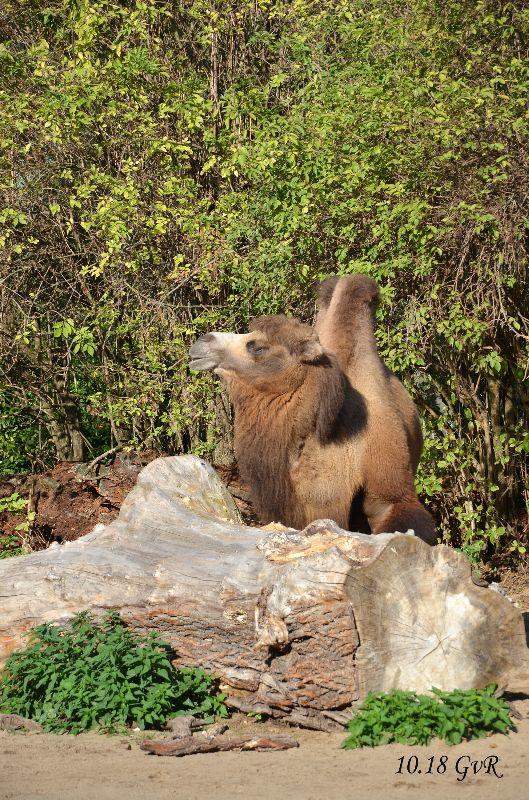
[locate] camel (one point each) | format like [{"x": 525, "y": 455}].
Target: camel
[{"x": 323, "y": 429}]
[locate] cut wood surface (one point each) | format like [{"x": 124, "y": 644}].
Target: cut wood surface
[{"x": 298, "y": 625}]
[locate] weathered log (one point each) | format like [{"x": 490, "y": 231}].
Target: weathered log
[
  {"x": 191, "y": 745},
  {"x": 298, "y": 625}
]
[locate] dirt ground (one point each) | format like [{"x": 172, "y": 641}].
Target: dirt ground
[
  {"x": 94, "y": 767},
  {"x": 69, "y": 500}
]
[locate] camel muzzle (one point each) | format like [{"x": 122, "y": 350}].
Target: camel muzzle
[
  {"x": 214, "y": 349},
  {"x": 202, "y": 353}
]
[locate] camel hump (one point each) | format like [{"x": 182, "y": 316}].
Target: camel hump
[
  {"x": 351, "y": 288},
  {"x": 345, "y": 321}
]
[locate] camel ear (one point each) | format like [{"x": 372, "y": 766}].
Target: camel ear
[{"x": 310, "y": 350}]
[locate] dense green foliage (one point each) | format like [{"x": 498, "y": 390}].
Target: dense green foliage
[
  {"x": 410, "y": 718},
  {"x": 168, "y": 168},
  {"x": 10, "y": 545},
  {"x": 13, "y": 544},
  {"x": 101, "y": 675}
]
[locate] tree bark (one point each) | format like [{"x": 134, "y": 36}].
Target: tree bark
[
  {"x": 298, "y": 625},
  {"x": 191, "y": 745}
]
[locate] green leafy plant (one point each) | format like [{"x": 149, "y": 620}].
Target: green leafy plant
[
  {"x": 11, "y": 544},
  {"x": 410, "y": 718},
  {"x": 90, "y": 675},
  {"x": 19, "y": 436},
  {"x": 13, "y": 503}
]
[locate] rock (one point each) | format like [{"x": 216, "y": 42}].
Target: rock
[
  {"x": 520, "y": 708},
  {"x": 180, "y": 726},
  {"x": 14, "y": 722}
]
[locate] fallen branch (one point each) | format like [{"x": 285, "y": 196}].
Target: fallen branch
[
  {"x": 100, "y": 458},
  {"x": 190, "y": 745}
]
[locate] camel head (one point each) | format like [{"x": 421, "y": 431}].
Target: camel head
[{"x": 274, "y": 346}]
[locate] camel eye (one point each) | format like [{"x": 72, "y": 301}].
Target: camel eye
[{"x": 255, "y": 348}]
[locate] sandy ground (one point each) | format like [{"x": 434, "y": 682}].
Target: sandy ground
[{"x": 94, "y": 767}]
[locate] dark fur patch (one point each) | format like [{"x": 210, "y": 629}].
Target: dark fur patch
[
  {"x": 331, "y": 399},
  {"x": 342, "y": 412},
  {"x": 263, "y": 464}
]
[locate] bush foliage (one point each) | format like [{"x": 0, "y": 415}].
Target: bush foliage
[
  {"x": 14, "y": 543},
  {"x": 410, "y": 718},
  {"x": 101, "y": 675},
  {"x": 167, "y": 168}
]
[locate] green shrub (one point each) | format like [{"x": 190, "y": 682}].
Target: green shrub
[
  {"x": 153, "y": 188},
  {"x": 10, "y": 546},
  {"x": 20, "y": 448},
  {"x": 410, "y": 718},
  {"x": 102, "y": 675},
  {"x": 10, "y": 543}
]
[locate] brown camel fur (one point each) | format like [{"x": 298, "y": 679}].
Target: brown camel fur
[{"x": 323, "y": 430}]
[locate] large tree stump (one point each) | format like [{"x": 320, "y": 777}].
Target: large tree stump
[{"x": 298, "y": 625}]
